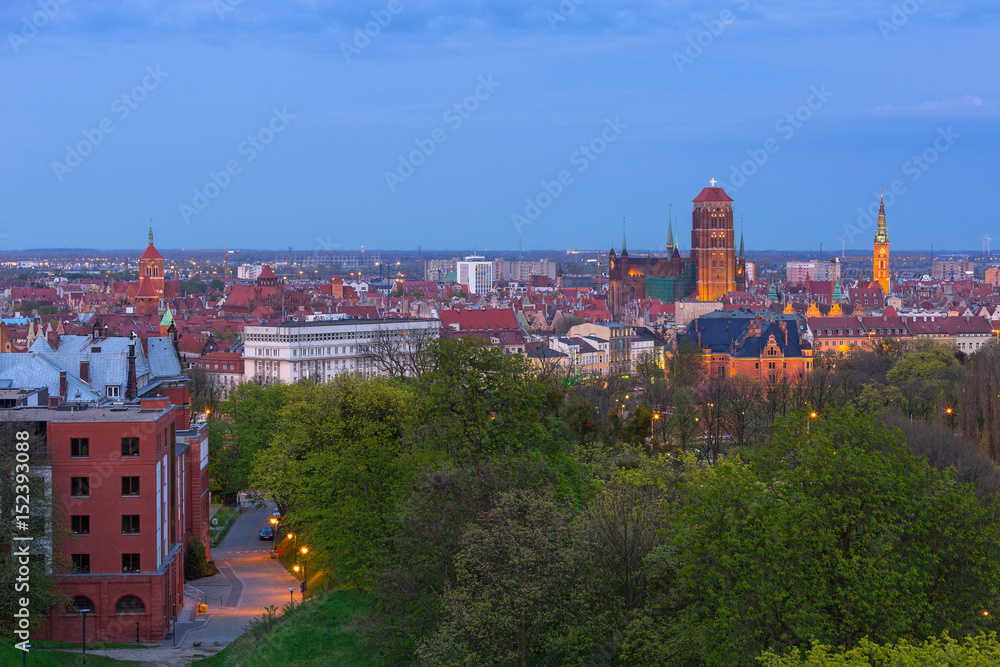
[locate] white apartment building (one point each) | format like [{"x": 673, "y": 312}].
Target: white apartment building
[
  {"x": 476, "y": 273},
  {"x": 249, "y": 271},
  {"x": 292, "y": 351},
  {"x": 523, "y": 270}
]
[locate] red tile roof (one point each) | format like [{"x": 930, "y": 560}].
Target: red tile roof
[
  {"x": 712, "y": 195},
  {"x": 151, "y": 253}
]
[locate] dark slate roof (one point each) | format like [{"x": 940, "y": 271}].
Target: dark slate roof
[{"x": 721, "y": 334}]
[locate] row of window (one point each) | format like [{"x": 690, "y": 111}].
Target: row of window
[
  {"x": 81, "y": 563},
  {"x": 80, "y": 524},
  {"x": 320, "y": 351},
  {"x": 318, "y": 337},
  {"x": 80, "y": 486},
  {"x": 215, "y": 366},
  {"x": 80, "y": 447},
  {"x": 128, "y": 604}
]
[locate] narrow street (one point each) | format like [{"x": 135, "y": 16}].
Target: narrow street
[{"x": 248, "y": 582}]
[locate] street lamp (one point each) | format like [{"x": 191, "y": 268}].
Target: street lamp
[
  {"x": 291, "y": 594},
  {"x": 304, "y": 551},
  {"x": 812, "y": 416},
  {"x": 274, "y": 527},
  {"x": 84, "y": 612}
]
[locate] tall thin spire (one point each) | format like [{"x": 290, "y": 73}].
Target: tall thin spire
[
  {"x": 150, "y": 231},
  {"x": 881, "y": 234},
  {"x": 742, "y": 254},
  {"x": 623, "y": 235},
  {"x": 670, "y": 235}
]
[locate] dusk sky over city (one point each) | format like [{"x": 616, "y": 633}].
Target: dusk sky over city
[{"x": 453, "y": 125}]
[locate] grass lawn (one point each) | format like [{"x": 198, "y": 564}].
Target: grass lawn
[
  {"x": 226, "y": 516},
  {"x": 320, "y": 632},
  {"x": 12, "y": 657}
]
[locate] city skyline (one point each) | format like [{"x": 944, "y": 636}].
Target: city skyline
[{"x": 230, "y": 123}]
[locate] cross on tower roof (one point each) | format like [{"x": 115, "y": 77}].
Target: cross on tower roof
[{"x": 712, "y": 182}]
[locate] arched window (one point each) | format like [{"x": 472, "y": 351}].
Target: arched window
[
  {"x": 130, "y": 604},
  {"x": 79, "y": 603}
]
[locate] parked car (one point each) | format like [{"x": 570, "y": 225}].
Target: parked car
[
  {"x": 276, "y": 513},
  {"x": 267, "y": 533}
]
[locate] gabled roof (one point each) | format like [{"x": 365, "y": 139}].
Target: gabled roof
[
  {"x": 146, "y": 289},
  {"x": 151, "y": 253}
]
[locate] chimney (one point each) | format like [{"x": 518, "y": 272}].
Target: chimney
[
  {"x": 62, "y": 384},
  {"x": 85, "y": 371},
  {"x": 130, "y": 388},
  {"x": 52, "y": 338}
]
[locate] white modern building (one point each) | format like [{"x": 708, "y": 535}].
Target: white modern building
[
  {"x": 249, "y": 271},
  {"x": 477, "y": 274},
  {"x": 523, "y": 270},
  {"x": 292, "y": 351}
]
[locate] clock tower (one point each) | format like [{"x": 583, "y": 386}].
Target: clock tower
[{"x": 880, "y": 265}]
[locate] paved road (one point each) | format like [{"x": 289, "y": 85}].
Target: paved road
[{"x": 246, "y": 585}]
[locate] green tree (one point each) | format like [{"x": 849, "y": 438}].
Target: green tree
[
  {"x": 982, "y": 650},
  {"x": 337, "y": 463},
  {"x": 835, "y": 534},
  {"x": 684, "y": 365},
  {"x": 926, "y": 360},
  {"x": 684, "y": 420},
  {"x": 248, "y": 421},
  {"x": 980, "y": 406},
  {"x": 475, "y": 401},
  {"x": 513, "y": 576}
]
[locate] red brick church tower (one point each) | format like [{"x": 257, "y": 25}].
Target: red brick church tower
[
  {"x": 151, "y": 266},
  {"x": 713, "y": 244}
]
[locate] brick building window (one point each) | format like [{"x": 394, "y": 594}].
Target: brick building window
[
  {"x": 130, "y": 604},
  {"x": 79, "y": 447},
  {"x": 81, "y": 563},
  {"x": 79, "y": 486},
  {"x": 130, "y": 524},
  {"x": 130, "y": 446},
  {"x": 79, "y": 603},
  {"x": 80, "y": 524},
  {"x": 130, "y": 562},
  {"x": 130, "y": 486}
]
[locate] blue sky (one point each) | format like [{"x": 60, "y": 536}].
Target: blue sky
[{"x": 267, "y": 125}]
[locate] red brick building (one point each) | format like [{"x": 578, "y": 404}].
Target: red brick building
[{"x": 129, "y": 479}]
